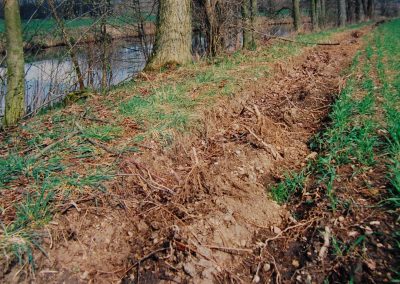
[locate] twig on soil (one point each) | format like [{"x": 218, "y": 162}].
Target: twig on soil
[
  {"x": 278, "y": 274},
  {"x": 258, "y": 114},
  {"x": 325, "y": 247},
  {"x": 51, "y": 146},
  {"x": 256, "y": 277},
  {"x": 98, "y": 144},
  {"x": 75, "y": 204},
  {"x": 287, "y": 229},
  {"x": 147, "y": 256},
  {"x": 268, "y": 147},
  {"x": 229, "y": 249}
]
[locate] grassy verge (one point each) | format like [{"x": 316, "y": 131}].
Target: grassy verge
[
  {"x": 358, "y": 155},
  {"x": 34, "y": 188}
]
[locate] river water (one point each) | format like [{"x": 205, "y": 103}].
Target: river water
[{"x": 49, "y": 74}]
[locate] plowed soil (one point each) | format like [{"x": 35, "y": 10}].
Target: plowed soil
[{"x": 198, "y": 211}]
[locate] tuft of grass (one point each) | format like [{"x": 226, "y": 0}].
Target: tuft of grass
[
  {"x": 292, "y": 183},
  {"x": 94, "y": 180},
  {"x": 168, "y": 108},
  {"x": 35, "y": 211},
  {"x": 104, "y": 133},
  {"x": 11, "y": 168}
]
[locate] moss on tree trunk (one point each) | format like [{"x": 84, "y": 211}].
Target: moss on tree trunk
[
  {"x": 249, "y": 16},
  {"x": 174, "y": 34},
  {"x": 15, "y": 97}
]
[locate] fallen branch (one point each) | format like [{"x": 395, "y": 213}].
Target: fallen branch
[
  {"x": 291, "y": 40},
  {"x": 51, "y": 146},
  {"x": 229, "y": 249},
  {"x": 141, "y": 260},
  {"x": 287, "y": 229},
  {"x": 268, "y": 147},
  {"x": 98, "y": 144}
]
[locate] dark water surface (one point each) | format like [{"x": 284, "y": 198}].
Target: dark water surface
[{"x": 49, "y": 75}]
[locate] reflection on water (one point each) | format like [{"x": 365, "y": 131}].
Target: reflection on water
[{"x": 49, "y": 75}]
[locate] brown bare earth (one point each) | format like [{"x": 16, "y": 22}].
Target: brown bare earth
[{"x": 198, "y": 211}]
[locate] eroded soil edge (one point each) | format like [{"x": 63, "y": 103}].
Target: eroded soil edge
[{"x": 191, "y": 212}]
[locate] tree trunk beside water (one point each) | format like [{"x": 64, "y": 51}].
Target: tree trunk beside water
[
  {"x": 314, "y": 15},
  {"x": 68, "y": 43},
  {"x": 15, "y": 96},
  {"x": 296, "y": 15},
  {"x": 174, "y": 34},
  {"x": 249, "y": 16},
  {"x": 342, "y": 13},
  {"x": 322, "y": 13}
]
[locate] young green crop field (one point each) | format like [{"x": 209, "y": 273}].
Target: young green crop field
[{"x": 362, "y": 142}]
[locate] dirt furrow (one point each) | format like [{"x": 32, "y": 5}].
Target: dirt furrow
[{"x": 190, "y": 212}]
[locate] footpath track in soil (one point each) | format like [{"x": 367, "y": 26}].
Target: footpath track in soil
[{"x": 197, "y": 212}]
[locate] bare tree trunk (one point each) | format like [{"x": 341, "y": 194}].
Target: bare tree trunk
[
  {"x": 364, "y": 7},
  {"x": 253, "y": 20},
  {"x": 314, "y": 15},
  {"x": 296, "y": 15},
  {"x": 350, "y": 11},
  {"x": 342, "y": 13},
  {"x": 174, "y": 34},
  {"x": 15, "y": 102},
  {"x": 67, "y": 41},
  {"x": 358, "y": 10},
  {"x": 247, "y": 38},
  {"x": 323, "y": 13},
  {"x": 370, "y": 9},
  {"x": 213, "y": 32},
  {"x": 249, "y": 10},
  {"x": 104, "y": 57},
  {"x": 145, "y": 44},
  {"x": 104, "y": 10}
]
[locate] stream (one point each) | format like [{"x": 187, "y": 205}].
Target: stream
[{"x": 50, "y": 76}]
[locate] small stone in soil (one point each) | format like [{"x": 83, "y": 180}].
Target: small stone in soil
[
  {"x": 189, "y": 269},
  {"x": 267, "y": 267}
]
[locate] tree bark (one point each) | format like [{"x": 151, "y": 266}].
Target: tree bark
[
  {"x": 357, "y": 10},
  {"x": 253, "y": 20},
  {"x": 213, "y": 30},
  {"x": 342, "y": 13},
  {"x": 15, "y": 96},
  {"x": 249, "y": 14},
  {"x": 370, "y": 9},
  {"x": 314, "y": 15},
  {"x": 323, "y": 13},
  {"x": 296, "y": 15},
  {"x": 174, "y": 34},
  {"x": 364, "y": 7},
  {"x": 350, "y": 10}
]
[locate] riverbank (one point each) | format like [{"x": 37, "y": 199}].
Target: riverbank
[
  {"x": 43, "y": 34},
  {"x": 166, "y": 178}
]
